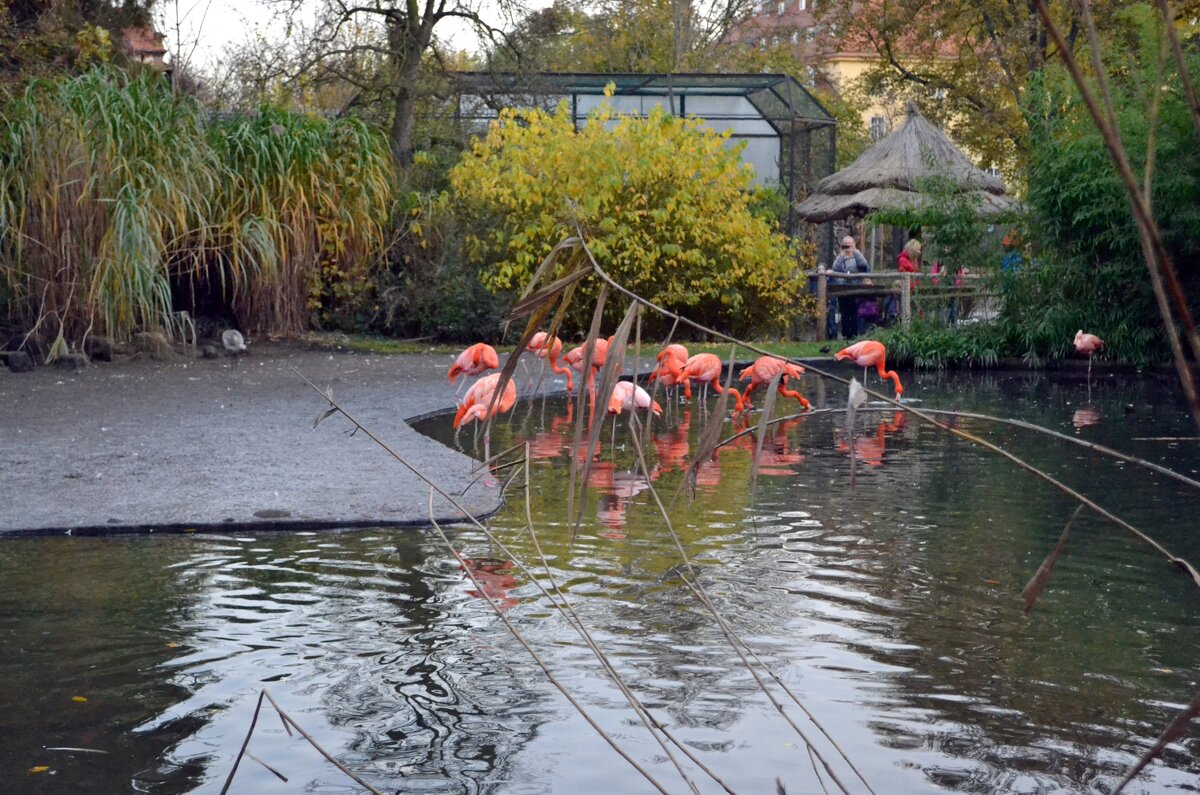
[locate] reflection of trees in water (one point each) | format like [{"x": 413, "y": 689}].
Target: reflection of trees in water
[
  {"x": 951, "y": 540},
  {"x": 937, "y": 543},
  {"x": 426, "y": 679},
  {"x": 385, "y": 638},
  {"x": 922, "y": 561},
  {"x": 92, "y": 618}
]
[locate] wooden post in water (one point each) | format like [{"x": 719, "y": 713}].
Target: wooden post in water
[
  {"x": 822, "y": 303},
  {"x": 905, "y": 299}
]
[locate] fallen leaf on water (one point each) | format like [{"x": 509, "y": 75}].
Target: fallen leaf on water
[
  {"x": 992, "y": 582},
  {"x": 39, "y": 769},
  {"x": 79, "y": 699},
  {"x": 172, "y": 645}
]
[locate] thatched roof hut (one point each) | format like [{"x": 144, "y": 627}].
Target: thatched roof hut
[{"x": 889, "y": 175}]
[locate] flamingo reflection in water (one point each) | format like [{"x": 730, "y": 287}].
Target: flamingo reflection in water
[
  {"x": 615, "y": 488},
  {"x": 1085, "y": 416},
  {"x": 776, "y": 457},
  {"x": 870, "y": 448},
  {"x": 552, "y": 441},
  {"x": 495, "y": 580},
  {"x": 672, "y": 447}
]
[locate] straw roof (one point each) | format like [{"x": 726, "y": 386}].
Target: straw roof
[{"x": 888, "y": 176}]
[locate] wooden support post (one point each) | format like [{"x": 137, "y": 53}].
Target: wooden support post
[
  {"x": 822, "y": 304},
  {"x": 905, "y": 299}
]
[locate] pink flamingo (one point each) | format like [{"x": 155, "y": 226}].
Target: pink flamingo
[
  {"x": 764, "y": 370},
  {"x": 631, "y": 397},
  {"x": 705, "y": 369},
  {"x": 476, "y": 359},
  {"x": 477, "y": 405},
  {"x": 870, "y": 353},
  {"x": 669, "y": 371},
  {"x": 495, "y": 580},
  {"x": 574, "y": 359},
  {"x": 1088, "y": 344},
  {"x": 548, "y": 349}
]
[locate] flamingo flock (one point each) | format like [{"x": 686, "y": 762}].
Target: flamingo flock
[{"x": 676, "y": 371}]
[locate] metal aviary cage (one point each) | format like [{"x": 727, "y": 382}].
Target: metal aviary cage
[{"x": 789, "y": 136}]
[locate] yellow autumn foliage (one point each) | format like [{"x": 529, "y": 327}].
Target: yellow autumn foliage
[{"x": 662, "y": 201}]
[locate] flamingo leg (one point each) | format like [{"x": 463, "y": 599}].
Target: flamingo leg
[
  {"x": 746, "y": 404},
  {"x": 794, "y": 394}
]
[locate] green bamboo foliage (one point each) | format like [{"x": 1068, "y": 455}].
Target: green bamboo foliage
[{"x": 112, "y": 188}]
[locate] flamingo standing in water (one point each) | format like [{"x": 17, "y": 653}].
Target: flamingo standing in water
[
  {"x": 870, "y": 353},
  {"x": 476, "y": 359},
  {"x": 705, "y": 369},
  {"x": 631, "y": 397},
  {"x": 574, "y": 359},
  {"x": 548, "y": 348},
  {"x": 478, "y": 405},
  {"x": 1088, "y": 344},
  {"x": 669, "y": 371},
  {"x": 481, "y": 403},
  {"x": 763, "y": 372}
]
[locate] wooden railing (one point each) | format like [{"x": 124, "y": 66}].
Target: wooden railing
[{"x": 884, "y": 284}]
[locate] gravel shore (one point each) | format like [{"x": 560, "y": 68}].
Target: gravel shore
[{"x": 139, "y": 445}]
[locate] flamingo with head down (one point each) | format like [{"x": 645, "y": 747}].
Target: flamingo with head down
[
  {"x": 669, "y": 372},
  {"x": 574, "y": 359},
  {"x": 482, "y": 403},
  {"x": 763, "y": 372},
  {"x": 705, "y": 369},
  {"x": 476, "y": 359},
  {"x": 478, "y": 403},
  {"x": 870, "y": 353},
  {"x": 628, "y": 396},
  {"x": 548, "y": 349}
]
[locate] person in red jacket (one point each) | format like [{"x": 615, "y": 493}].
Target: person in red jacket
[{"x": 909, "y": 260}]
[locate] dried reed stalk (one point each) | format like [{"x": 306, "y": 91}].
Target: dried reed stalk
[
  {"x": 1033, "y": 589},
  {"x": 923, "y": 415},
  {"x": 336, "y": 408}
]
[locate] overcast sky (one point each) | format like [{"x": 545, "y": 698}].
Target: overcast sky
[{"x": 208, "y": 27}]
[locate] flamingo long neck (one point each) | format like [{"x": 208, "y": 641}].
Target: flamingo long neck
[{"x": 892, "y": 374}]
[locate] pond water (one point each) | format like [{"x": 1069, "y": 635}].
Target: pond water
[{"x": 877, "y": 574}]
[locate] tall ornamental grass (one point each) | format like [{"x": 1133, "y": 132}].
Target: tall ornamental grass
[
  {"x": 113, "y": 189},
  {"x": 309, "y": 195},
  {"x": 102, "y": 180}
]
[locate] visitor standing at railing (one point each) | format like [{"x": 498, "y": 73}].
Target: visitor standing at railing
[
  {"x": 909, "y": 261},
  {"x": 850, "y": 260}
]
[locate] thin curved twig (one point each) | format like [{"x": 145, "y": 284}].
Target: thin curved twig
[{"x": 335, "y": 407}]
